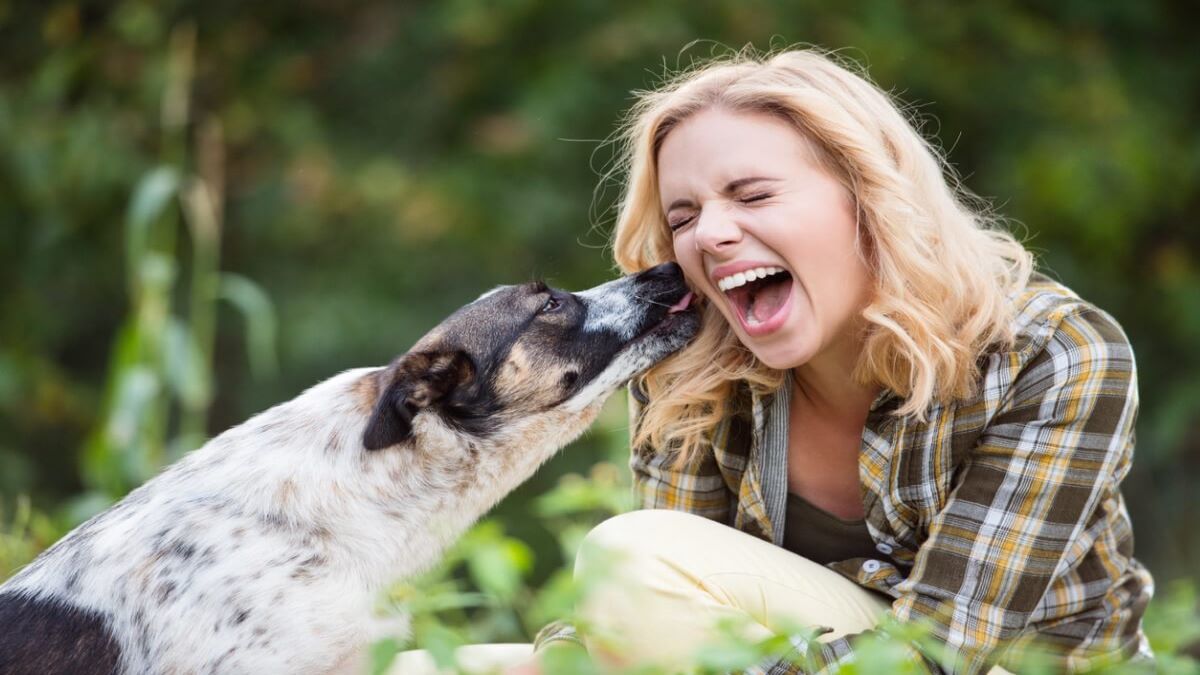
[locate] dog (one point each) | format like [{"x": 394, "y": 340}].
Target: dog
[{"x": 265, "y": 550}]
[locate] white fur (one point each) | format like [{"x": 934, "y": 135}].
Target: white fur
[{"x": 611, "y": 308}]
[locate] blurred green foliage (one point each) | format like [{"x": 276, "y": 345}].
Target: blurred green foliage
[
  {"x": 481, "y": 593},
  {"x": 194, "y": 193}
]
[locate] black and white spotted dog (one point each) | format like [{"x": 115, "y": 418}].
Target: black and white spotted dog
[{"x": 264, "y": 551}]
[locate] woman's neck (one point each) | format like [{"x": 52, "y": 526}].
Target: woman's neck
[{"x": 827, "y": 387}]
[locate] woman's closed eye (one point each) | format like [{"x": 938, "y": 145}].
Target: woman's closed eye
[
  {"x": 679, "y": 222},
  {"x": 682, "y": 221}
]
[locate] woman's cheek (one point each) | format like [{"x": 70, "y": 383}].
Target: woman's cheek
[
  {"x": 688, "y": 258},
  {"x": 693, "y": 271}
]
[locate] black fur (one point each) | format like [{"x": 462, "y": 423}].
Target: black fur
[
  {"x": 50, "y": 637},
  {"x": 391, "y": 422},
  {"x": 414, "y": 382}
]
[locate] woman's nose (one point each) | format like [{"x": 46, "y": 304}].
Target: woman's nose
[{"x": 716, "y": 230}]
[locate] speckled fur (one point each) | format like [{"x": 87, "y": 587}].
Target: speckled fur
[{"x": 264, "y": 551}]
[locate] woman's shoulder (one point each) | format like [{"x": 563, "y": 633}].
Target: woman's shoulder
[
  {"x": 1047, "y": 315},
  {"x": 1069, "y": 357}
]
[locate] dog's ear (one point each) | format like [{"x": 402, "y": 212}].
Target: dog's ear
[{"x": 408, "y": 386}]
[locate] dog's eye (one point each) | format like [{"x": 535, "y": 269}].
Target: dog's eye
[
  {"x": 552, "y": 305},
  {"x": 569, "y": 378}
]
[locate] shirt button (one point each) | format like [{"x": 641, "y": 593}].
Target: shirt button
[
  {"x": 883, "y": 548},
  {"x": 871, "y": 566}
]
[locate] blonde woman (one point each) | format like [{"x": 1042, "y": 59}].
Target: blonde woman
[{"x": 886, "y": 414}]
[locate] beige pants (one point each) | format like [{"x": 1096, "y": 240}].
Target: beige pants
[
  {"x": 671, "y": 576},
  {"x": 678, "y": 575}
]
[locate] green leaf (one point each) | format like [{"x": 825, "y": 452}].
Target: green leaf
[
  {"x": 880, "y": 654},
  {"x": 183, "y": 366},
  {"x": 440, "y": 641},
  {"x": 1172, "y": 620},
  {"x": 383, "y": 653},
  {"x": 567, "y": 658},
  {"x": 727, "y": 656},
  {"x": 150, "y": 198},
  {"x": 556, "y": 599},
  {"x": 259, "y": 313},
  {"x": 499, "y": 567},
  {"x": 136, "y": 388}
]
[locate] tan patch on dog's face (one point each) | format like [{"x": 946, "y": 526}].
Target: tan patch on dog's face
[{"x": 531, "y": 380}]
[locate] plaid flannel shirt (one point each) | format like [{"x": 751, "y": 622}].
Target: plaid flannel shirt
[{"x": 999, "y": 521}]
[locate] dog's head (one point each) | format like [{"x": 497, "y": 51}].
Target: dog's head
[{"x": 520, "y": 351}]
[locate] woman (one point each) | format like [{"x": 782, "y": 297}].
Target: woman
[{"x": 886, "y": 414}]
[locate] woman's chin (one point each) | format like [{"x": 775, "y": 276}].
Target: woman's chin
[
  {"x": 781, "y": 359},
  {"x": 784, "y": 346},
  {"x": 787, "y": 348}
]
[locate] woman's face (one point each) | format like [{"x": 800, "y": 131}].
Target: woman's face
[{"x": 765, "y": 232}]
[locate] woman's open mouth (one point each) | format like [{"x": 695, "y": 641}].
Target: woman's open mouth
[{"x": 761, "y": 298}]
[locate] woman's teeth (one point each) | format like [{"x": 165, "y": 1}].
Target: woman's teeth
[{"x": 742, "y": 278}]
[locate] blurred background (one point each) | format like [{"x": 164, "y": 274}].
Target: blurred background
[{"x": 206, "y": 207}]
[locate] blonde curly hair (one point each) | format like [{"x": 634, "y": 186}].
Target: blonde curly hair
[{"x": 942, "y": 264}]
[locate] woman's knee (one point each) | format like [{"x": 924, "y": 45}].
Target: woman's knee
[
  {"x": 637, "y": 536},
  {"x": 641, "y": 573}
]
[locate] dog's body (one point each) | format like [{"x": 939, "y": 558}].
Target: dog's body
[{"x": 265, "y": 550}]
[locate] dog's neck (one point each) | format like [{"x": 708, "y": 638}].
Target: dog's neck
[{"x": 394, "y": 511}]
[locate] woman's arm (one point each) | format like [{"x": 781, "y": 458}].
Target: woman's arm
[{"x": 697, "y": 488}]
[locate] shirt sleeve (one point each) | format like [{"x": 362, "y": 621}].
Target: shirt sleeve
[
  {"x": 697, "y": 487},
  {"x": 1059, "y": 447}
]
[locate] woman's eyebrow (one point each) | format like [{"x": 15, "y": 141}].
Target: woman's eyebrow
[{"x": 730, "y": 187}]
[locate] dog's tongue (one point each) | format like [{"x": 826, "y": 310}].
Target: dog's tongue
[{"x": 683, "y": 304}]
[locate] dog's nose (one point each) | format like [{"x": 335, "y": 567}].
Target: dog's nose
[{"x": 669, "y": 271}]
